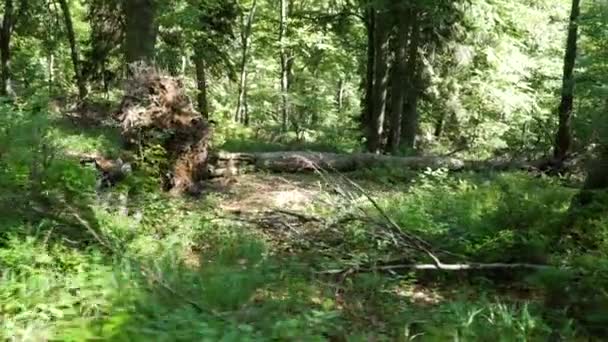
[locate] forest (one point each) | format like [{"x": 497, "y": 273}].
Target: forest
[{"x": 303, "y": 170}]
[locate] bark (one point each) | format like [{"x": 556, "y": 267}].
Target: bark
[
  {"x": 50, "y": 64},
  {"x": 563, "y": 139},
  {"x": 340, "y": 95},
  {"x": 439, "y": 125},
  {"x": 398, "y": 81},
  {"x": 284, "y": 58},
  {"x": 240, "y": 115},
  {"x": 379, "y": 93},
  {"x": 201, "y": 83},
  {"x": 226, "y": 163},
  {"x": 141, "y": 30},
  {"x": 80, "y": 80},
  {"x": 370, "y": 24},
  {"x": 310, "y": 161},
  {"x": 6, "y": 32},
  {"x": 409, "y": 121}
]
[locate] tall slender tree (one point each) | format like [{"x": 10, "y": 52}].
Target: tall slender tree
[
  {"x": 563, "y": 140},
  {"x": 241, "y": 114},
  {"x": 375, "y": 127},
  {"x": 409, "y": 121},
  {"x": 6, "y": 32},
  {"x": 285, "y": 62},
  {"x": 398, "y": 76},
  {"x": 201, "y": 80},
  {"x": 69, "y": 26},
  {"x": 367, "y": 99}
]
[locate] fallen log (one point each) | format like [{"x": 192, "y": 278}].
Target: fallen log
[{"x": 300, "y": 161}]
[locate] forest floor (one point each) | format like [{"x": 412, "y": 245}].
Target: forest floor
[{"x": 288, "y": 257}]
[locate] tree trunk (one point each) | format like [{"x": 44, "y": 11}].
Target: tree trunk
[
  {"x": 141, "y": 30},
  {"x": 50, "y": 65},
  {"x": 5, "y": 48},
  {"x": 340, "y": 95},
  {"x": 563, "y": 139},
  {"x": 398, "y": 81},
  {"x": 311, "y": 161},
  {"x": 381, "y": 54},
  {"x": 409, "y": 121},
  {"x": 286, "y": 63},
  {"x": 301, "y": 161},
  {"x": 245, "y": 38},
  {"x": 80, "y": 81},
  {"x": 201, "y": 82},
  {"x": 370, "y": 24},
  {"x": 439, "y": 125},
  {"x": 246, "y": 119}
]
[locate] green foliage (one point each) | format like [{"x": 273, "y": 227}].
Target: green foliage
[
  {"x": 492, "y": 218},
  {"x": 132, "y": 263},
  {"x": 33, "y": 172}
]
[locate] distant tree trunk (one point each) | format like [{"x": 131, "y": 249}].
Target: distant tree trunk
[
  {"x": 284, "y": 57},
  {"x": 340, "y": 95},
  {"x": 563, "y": 139},
  {"x": 439, "y": 125},
  {"x": 80, "y": 81},
  {"x": 246, "y": 119},
  {"x": 182, "y": 71},
  {"x": 398, "y": 80},
  {"x": 409, "y": 121},
  {"x": 245, "y": 38},
  {"x": 379, "y": 93},
  {"x": 5, "y": 48},
  {"x": 141, "y": 30},
  {"x": 201, "y": 82},
  {"x": 50, "y": 65},
  {"x": 367, "y": 105}
]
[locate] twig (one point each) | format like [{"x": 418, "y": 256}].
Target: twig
[
  {"x": 302, "y": 217},
  {"x": 418, "y": 242}
]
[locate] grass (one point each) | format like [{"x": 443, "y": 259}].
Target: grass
[{"x": 177, "y": 271}]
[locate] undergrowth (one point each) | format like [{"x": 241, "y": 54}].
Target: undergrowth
[{"x": 168, "y": 269}]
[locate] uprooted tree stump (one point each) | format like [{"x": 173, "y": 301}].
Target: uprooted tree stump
[{"x": 155, "y": 110}]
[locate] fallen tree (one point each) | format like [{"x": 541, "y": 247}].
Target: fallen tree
[
  {"x": 223, "y": 163},
  {"x": 155, "y": 110}
]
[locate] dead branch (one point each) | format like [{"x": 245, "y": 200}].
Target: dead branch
[{"x": 441, "y": 267}]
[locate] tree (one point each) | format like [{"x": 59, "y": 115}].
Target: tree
[
  {"x": 409, "y": 121},
  {"x": 563, "y": 139},
  {"x": 286, "y": 62},
  {"x": 140, "y": 30},
  {"x": 375, "y": 127},
  {"x": 370, "y": 26},
  {"x": 201, "y": 80},
  {"x": 398, "y": 77},
  {"x": 6, "y": 32},
  {"x": 242, "y": 114},
  {"x": 79, "y": 76}
]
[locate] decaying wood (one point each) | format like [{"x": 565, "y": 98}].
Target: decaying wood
[
  {"x": 301, "y": 161},
  {"x": 310, "y": 161},
  {"x": 156, "y": 110},
  {"x": 441, "y": 267}
]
